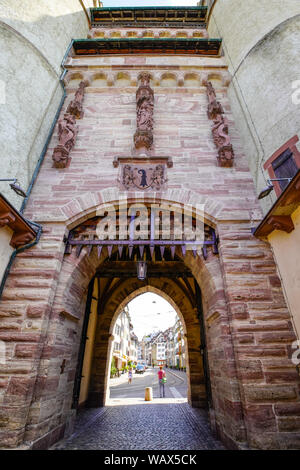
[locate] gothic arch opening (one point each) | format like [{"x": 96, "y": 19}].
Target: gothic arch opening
[
  {"x": 182, "y": 294},
  {"x": 150, "y": 316}
]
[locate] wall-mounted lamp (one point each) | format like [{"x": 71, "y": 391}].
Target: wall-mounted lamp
[
  {"x": 266, "y": 191},
  {"x": 141, "y": 270},
  {"x": 15, "y": 186}
]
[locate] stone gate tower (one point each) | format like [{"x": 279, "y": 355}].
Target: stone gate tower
[{"x": 147, "y": 123}]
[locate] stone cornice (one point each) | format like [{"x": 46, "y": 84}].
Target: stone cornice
[
  {"x": 23, "y": 233},
  {"x": 279, "y": 216}
]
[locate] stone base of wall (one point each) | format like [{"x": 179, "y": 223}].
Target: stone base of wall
[
  {"x": 228, "y": 442},
  {"x": 49, "y": 439}
]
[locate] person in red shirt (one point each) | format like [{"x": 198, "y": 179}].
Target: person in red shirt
[
  {"x": 130, "y": 375},
  {"x": 162, "y": 380}
]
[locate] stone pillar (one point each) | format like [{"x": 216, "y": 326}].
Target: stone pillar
[
  {"x": 100, "y": 368},
  {"x": 25, "y": 310},
  {"x": 262, "y": 334}
]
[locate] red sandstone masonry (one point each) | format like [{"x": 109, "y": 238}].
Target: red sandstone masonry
[{"x": 247, "y": 321}]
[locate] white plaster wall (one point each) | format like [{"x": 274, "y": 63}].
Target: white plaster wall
[
  {"x": 261, "y": 42},
  {"x": 242, "y": 23},
  {"x": 287, "y": 254},
  {"x": 5, "y": 248},
  {"x": 48, "y": 25},
  {"x": 34, "y": 36},
  {"x": 25, "y": 118}
]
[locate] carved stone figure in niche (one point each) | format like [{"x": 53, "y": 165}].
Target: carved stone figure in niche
[
  {"x": 75, "y": 106},
  {"x": 222, "y": 141},
  {"x": 145, "y": 112},
  {"x": 145, "y": 105},
  {"x": 67, "y": 131},
  {"x": 220, "y": 131},
  {"x": 220, "y": 128},
  {"x": 214, "y": 106}
]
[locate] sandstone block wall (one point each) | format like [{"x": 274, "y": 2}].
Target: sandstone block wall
[{"x": 249, "y": 332}]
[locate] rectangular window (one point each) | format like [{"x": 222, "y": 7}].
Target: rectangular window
[
  {"x": 285, "y": 167},
  {"x": 284, "y": 163}
]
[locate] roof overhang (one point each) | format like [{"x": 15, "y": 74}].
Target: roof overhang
[
  {"x": 279, "y": 216},
  {"x": 23, "y": 233}
]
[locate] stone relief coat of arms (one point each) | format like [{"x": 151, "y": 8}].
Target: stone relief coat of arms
[{"x": 143, "y": 177}]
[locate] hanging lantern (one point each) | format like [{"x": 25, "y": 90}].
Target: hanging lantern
[{"x": 141, "y": 270}]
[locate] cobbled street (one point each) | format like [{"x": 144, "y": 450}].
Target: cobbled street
[{"x": 130, "y": 423}]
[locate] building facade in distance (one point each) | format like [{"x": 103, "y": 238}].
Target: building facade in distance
[{"x": 125, "y": 341}]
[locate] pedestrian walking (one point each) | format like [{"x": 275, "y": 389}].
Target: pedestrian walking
[
  {"x": 130, "y": 375},
  {"x": 162, "y": 380}
]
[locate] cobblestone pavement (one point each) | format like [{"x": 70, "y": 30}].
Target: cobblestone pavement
[{"x": 159, "y": 425}]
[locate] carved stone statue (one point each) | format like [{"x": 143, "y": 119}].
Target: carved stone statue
[
  {"x": 220, "y": 134},
  {"x": 67, "y": 131},
  {"x": 222, "y": 141},
  {"x": 75, "y": 106},
  {"x": 145, "y": 105},
  {"x": 214, "y": 107},
  {"x": 220, "y": 131}
]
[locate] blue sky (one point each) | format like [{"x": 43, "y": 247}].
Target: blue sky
[{"x": 150, "y": 3}]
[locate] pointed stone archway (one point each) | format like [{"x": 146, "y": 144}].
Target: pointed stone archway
[
  {"x": 247, "y": 325},
  {"x": 76, "y": 274},
  {"x": 120, "y": 295}
]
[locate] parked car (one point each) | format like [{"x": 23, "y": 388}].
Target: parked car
[{"x": 140, "y": 369}]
